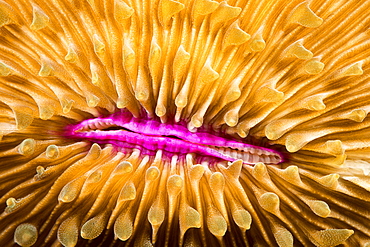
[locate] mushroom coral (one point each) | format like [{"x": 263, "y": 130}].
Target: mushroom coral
[{"x": 292, "y": 74}]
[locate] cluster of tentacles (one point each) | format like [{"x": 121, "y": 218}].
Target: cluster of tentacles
[{"x": 287, "y": 74}]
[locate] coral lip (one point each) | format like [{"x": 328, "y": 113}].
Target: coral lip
[{"x": 174, "y": 138}]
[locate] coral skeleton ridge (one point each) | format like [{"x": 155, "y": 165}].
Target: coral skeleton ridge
[{"x": 184, "y": 123}]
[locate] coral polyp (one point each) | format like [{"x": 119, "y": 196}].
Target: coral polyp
[{"x": 184, "y": 123}]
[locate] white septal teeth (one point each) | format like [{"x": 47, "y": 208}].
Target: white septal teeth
[
  {"x": 251, "y": 150},
  {"x": 234, "y": 154},
  {"x": 223, "y": 151},
  {"x": 267, "y": 159},
  {"x": 259, "y": 151},
  {"x": 254, "y": 158},
  {"x": 275, "y": 159},
  {"x": 249, "y": 155},
  {"x": 239, "y": 154},
  {"x": 246, "y": 157}
]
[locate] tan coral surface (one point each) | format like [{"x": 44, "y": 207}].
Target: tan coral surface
[{"x": 291, "y": 72}]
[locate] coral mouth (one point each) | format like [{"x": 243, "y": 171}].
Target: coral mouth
[{"x": 124, "y": 131}]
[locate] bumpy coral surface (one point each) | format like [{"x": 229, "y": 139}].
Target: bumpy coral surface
[{"x": 287, "y": 74}]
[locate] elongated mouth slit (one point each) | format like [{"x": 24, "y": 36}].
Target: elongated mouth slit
[{"x": 124, "y": 131}]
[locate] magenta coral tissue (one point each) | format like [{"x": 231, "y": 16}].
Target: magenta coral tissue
[{"x": 125, "y": 132}]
